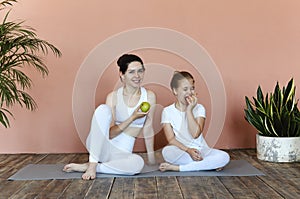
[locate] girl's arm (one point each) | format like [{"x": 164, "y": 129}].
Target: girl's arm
[
  {"x": 194, "y": 153},
  {"x": 171, "y": 137},
  {"x": 195, "y": 125},
  {"x": 148, "y": 128}
]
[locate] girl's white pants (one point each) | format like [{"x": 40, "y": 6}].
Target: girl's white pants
[{"x": 212, "y": 159}]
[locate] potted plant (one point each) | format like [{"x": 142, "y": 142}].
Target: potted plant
[
  {"x": 19, "y": 47},
  {"x": 276, "y": 117}
]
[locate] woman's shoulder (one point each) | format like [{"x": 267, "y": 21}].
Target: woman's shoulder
[
  {"x": 151, "y": 95},
  {"x": 150, "y": 92},
  {"x": 111, "y": 97},
  {"x": 112, "y": 94}
]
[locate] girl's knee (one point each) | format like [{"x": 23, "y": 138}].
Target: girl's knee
[
  {"x": 167, "y": 150},
  {"x": 224, "y": 158}
]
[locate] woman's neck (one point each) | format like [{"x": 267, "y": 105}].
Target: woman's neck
[{"x": 131, "y": 91}]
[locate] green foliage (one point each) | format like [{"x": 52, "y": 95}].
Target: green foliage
[
  {"x": 275, "y": 115},
  {"x": 19, "y": 47}
]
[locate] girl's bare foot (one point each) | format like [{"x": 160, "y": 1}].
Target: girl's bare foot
[
  {"x": 220, "y": 169},
  {"x": 75, "y": 167},
  {"x": 168, "y": 167},
  {"x": 90, "y": 173}
]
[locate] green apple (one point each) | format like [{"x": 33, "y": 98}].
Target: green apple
[{"x": 145, "y": 106}]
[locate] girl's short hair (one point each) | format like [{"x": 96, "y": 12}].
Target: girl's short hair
[
  {"x": 179, "y": 75},
  {"x": 125, "y": 60}
]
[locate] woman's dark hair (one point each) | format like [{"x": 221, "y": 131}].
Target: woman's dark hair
[
  {"x": 125, "y": 60},
  {"x": 179, "y": 75}
]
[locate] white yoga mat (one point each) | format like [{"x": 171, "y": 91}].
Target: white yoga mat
[{"x": 54, "y": 171}]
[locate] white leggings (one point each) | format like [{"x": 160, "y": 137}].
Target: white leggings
[
  {"x": 113, "y": 156},
  {"x": 213, "y": 159}
]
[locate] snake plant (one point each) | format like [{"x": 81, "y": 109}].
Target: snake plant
[
  {"x": 276, "y": 114},
  {"x": 19, "y": 48}
]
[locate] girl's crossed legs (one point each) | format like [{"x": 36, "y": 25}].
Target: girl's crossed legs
[{"x": 179, "y": 160}]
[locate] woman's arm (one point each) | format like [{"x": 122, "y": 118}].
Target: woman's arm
[
  {"x": 148, "y": 128},
  {"x": 115, "y": 130}
]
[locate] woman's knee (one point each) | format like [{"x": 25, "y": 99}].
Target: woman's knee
[
  {"x": 137, "y": 163},
  {"x": 103, "y": 110}
]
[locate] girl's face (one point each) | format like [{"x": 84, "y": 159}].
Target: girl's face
[
  {"x": 185, "y": 89},
  {"x": 134, "y": 74}
]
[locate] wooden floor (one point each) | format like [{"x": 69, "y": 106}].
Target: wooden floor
[{"x": 280, "y": 181}]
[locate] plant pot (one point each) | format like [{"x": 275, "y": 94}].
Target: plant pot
[{"x": 278, "y": 149}]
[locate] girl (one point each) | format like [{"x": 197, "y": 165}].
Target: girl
[{"x": 183, "y": 123}]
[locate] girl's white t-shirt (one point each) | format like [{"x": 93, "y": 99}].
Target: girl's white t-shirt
[{"x": 178, "y": 121}]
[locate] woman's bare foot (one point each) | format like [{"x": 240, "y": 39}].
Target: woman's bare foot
[
  {"x": 90, "y": 173},
  {"x": 168, "y": 167},
  {"x": 75, "y": 167},
  {"x": 89, "y": 169}
]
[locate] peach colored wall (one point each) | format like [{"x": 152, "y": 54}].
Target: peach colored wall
[{"x": 251, "y": 42}]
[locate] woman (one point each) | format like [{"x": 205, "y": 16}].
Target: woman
[
  {"x": 116, "y": 124},
  {"x": 183, "y": 123}
]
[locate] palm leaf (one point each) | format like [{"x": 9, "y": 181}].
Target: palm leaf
[{"x": 19, "y": 47}]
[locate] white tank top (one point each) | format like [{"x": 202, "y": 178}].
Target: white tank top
[{"x": 123, "y": 112}]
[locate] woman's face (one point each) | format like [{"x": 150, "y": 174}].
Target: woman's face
[
  {"x": 185, "y": 89},
  {"x": 134, "y": 74}
]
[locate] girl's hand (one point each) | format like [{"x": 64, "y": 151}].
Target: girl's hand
[
  {"x": 192, "y": 101},
  {"x": 195, "y": 154}
]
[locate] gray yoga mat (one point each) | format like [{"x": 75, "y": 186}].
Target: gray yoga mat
[{"x": 54, "y": 171}]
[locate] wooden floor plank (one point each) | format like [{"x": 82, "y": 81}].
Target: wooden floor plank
[
  {"x": 216, "y": 189},
  {"x": 145, "y": 188},
  {"x": 259, "y": 188},
  {"x": 8, "y": 188},
  {"x": 167, "y": 187},
  {"x": 236, "y": 187},
  {"x": 122, "y": 188},
  {"x": 285, "y": 187},
  {"x": 54, "y": 189},
  {"x": 3, "y": 157},
  {"x": 31, "y": 189},
  {"x": 57, "y": 158},
  {"x": 77, "y": 189},
  {"x": 100, "y": 188},
  {"x": 203, "y": 187},
  {"x": 80, "y": 158}
]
